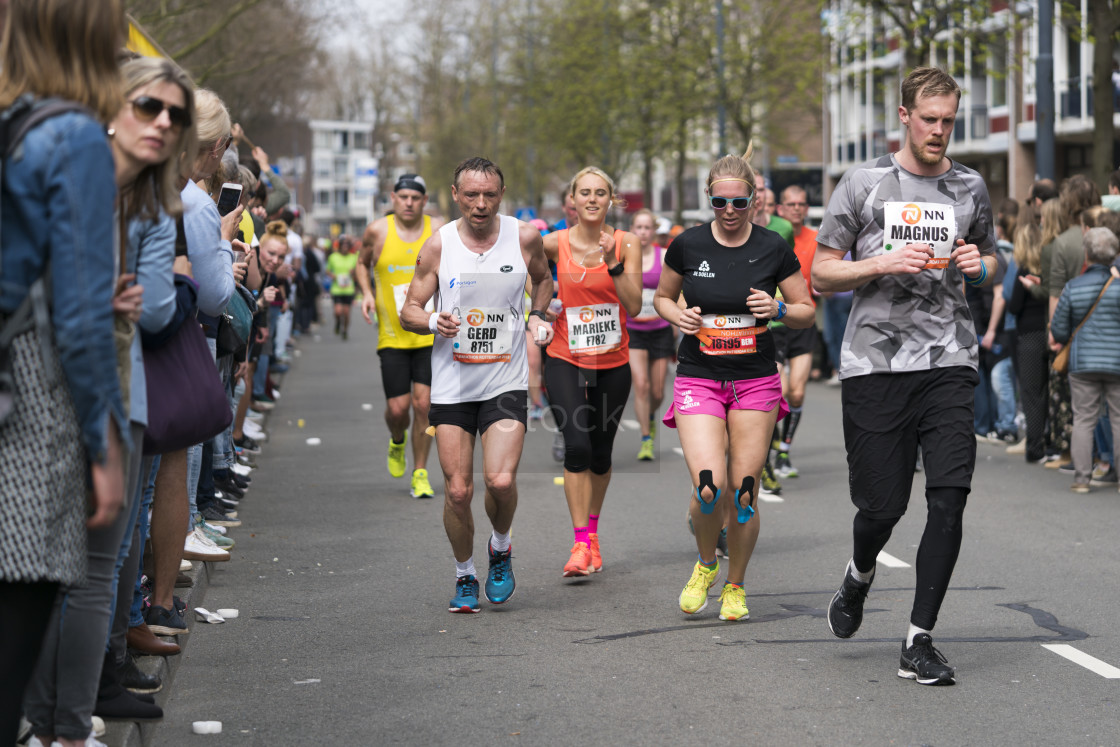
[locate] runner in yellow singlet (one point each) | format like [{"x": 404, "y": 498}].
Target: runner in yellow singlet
[{"x": 390, "y": 246}]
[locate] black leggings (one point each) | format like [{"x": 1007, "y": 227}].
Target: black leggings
[
  {"x": 587, "y": 405},
  {"x": 937, "y": 553},
  {"x": 24, "y": 612}
]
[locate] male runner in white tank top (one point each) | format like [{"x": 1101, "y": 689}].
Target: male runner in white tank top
[{"x": 476, "y": 266}]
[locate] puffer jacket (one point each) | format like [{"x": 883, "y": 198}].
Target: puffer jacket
[{"x": 1096, "y": 348}]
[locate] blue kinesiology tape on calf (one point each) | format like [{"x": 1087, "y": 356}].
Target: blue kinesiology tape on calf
[
  {"x": 706, "y": 507},
  {"x": 747, "y": 511}
]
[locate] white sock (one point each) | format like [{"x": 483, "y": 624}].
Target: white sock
[
  {"x": 466, "y": 568},
  {"x": 913, "y": 631},
  {"x": 863, "y": 578},
  {"x": 500, "y": 542}
]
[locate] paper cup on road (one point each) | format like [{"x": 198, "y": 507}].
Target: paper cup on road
[
  {"x": 207, "y": 616},
  {"x": 228, "y": 613},
  {"x": 314, "y": 441},
  {"x": 207, "y": 727}
]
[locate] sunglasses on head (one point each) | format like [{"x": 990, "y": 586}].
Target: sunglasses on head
[
  {"x": 739, "y": 203},
  {"x": 148, "y": 108}
]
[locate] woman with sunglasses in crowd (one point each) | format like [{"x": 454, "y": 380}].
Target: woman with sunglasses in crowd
[
  {"x": 587, "y": 372},
  {"x": 728, "y": 395},
  {"x": 58, "y": 215},
  {"x": 145, "y": 135}
]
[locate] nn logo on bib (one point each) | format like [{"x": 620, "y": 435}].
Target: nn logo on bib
[{"x": 704, "y": 271}]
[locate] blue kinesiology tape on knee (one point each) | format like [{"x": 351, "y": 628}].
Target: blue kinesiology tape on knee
[
  {"x": 706, "y": 507},
  {"x": 747, "y": 511}
]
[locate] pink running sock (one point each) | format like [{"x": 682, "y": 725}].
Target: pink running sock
[
  {"x": 593, "y": 526},
  {"x": 581, "y": 535}
]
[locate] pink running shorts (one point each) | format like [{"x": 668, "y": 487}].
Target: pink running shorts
[{"x": 695, "y": 396}]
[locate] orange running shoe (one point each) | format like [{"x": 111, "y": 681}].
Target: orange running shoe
[
  {"x": 580, "y": 562},
  {"x": 596, "y": 556}
]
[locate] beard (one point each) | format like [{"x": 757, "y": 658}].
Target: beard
[{"x": 920, "y": 154}]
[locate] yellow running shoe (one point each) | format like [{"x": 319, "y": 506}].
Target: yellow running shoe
[
  {"x": 695, "y": 595},
  {"x": 645, "y": 452},
  {"x": 734, "y": 600},
  {"x": 397, "y": 462},
  {"x": 421, "y": 488}
]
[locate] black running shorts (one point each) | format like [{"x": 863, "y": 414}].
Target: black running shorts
[
  {"x": 476, "y": 417},
  {"x": 888, "y": 416},
  {"x": 658, "y": 342},
  {"x": 402, "y": 367},
  {"x": 790, "y": 343}
]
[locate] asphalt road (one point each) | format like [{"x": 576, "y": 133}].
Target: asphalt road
[{"x": 342, "y": 581}]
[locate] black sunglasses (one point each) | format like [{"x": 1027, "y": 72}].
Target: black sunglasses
[
  {"x": 739, "y": 203},
  {"x": 148, "y": 108}
]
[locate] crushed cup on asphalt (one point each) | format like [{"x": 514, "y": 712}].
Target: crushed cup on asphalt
[
  {"x": 207, "y": 727},
  {"x": 228, "y": 613},
  {"x": 206, "y": 615}
]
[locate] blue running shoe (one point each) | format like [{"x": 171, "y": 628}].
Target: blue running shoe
[
  {"x": 466, "y": 595},
  {"x": 499, "y": 581}
]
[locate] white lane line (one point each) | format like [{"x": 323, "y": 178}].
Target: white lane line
[
  {"x": 631, "y": 424},
  {"x": 1080, "y": 657},
  {"x": 770, "y": 498},
  {"x": 678, "y": 451},
  {"x": 891, "y": 561}
]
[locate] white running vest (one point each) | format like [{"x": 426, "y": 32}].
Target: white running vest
[{"x": 486, "y": 292}]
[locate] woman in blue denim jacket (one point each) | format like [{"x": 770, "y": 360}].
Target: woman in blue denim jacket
[{"x": 57, "y": 211}]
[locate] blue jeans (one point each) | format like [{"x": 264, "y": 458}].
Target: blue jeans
[
  {"x": 260, "y": 378},
  {"x": 1003, "y": 384},
  {"x": 1102, "y": 437},
  {"x": 836, "y": 311},
  {"x": 136, "y": 612}
]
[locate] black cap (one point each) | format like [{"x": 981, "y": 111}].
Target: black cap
[{"x": 411, "y": 181}]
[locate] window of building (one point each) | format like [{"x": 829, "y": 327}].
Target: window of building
[
  {"x": 341, "y": 197},
  {"x": 997, "y": 66},
  {"x": 322, "y": 139},
  {"x": 323, "y": 197},
  {"x": 361, "y": 141}
]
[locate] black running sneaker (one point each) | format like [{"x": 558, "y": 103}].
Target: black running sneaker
[
  {"x": 924, "y": 663},
  {"x": 845, "y": 612}
]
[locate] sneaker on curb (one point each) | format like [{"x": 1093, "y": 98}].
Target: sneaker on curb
[
  {"x": 1019, "y": 448},
  {"x": 218, "y": 518},
  {"x": 226, "y": 500},
  {"x": 499, "y": 580},
  {"x": 596, "y": 555},
  {"x": 924, "y": 663},
  {"x": 396, "y": 457},
  {"x": 98, "y": 726},
  {"x": 558, "y": 447},
  {"x": 262, "y": 404},
  {"x": 785, "y": 468},
  {"x": 199, "y": 547},
  {"x": 255, "y": 416},
  {"x": 845, "y": 611},
  {"x": 246, "y": 444},
  {"x": 421, "y": 488},
  {"x": 695, "y": 595},
  {"x": 210, "y": 528},
  {"x": 466, "y": 595},
  {"x": 1105, "y": 477},
  {"x": 223, "y": 542},
  {"x": 242, "y": 469},
  {"x": 645, "y": 451},
  {"x": 580, "y": 562},
  {"x": 1079, "y": 487},
  {"x": 254, "y": 431},
  {"x": 770, "y": 484},
  {"x": 185, "y": 565},
  {"x": 164, "y": 622},
  {"x": 734, "y": 599}
]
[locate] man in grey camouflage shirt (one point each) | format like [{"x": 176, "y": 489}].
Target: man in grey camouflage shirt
[{"x": 918, "y": 225}]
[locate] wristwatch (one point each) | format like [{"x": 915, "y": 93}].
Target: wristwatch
[
  {"x": 539, "y": 314},
  {"x": 616, "y": 270},
  {"x": 781, "y": 309}
]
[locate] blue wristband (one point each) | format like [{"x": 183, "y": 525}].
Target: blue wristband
[{"x": 979, "y": 279}]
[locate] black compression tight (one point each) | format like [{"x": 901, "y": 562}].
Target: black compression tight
[
  {"x": 587, "y": 405},
  {"x": 937, "y": 553}
]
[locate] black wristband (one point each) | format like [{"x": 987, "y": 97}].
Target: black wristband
[
  {"x": 616, "y": 270},
  {"x": 539, "y": 314}
]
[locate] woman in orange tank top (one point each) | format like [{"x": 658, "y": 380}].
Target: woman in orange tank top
[{"x": 587, "y": 369}]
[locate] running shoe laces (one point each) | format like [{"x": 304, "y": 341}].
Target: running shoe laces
[{"x": 925, "y": 664}]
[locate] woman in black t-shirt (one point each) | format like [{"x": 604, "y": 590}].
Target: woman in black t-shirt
[{"x": 728, "y": 394}]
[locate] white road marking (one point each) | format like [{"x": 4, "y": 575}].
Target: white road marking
[
  {"x": 891, "y": 561},
  {"x": 1080, "y": 657},
  {"x": 678, "y": 451},
  {"x": 631, "y": 424},
  {"x": 770, "y": 498}
]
